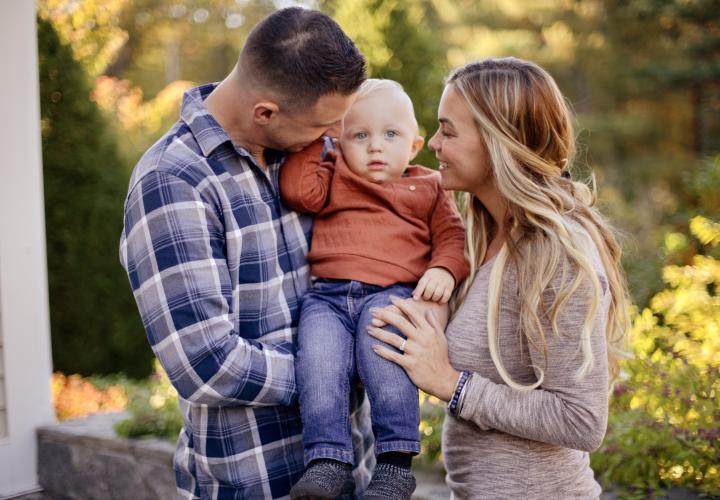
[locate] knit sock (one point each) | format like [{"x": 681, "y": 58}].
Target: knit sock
[
  {"x": 396, "y": 458},
  {"x": 324, "y": 478},
  {"x": 390, "y": 481}
]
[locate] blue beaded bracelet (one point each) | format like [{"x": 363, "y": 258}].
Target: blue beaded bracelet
[{"x": 453, "y": 404}]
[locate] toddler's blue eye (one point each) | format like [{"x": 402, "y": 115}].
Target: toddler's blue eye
[
  {"x": 391, "y": 133},
  {"x": 361, "y": 135}
]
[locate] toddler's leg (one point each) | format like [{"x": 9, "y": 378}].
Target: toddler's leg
[
  {"x": 324, "y": 370},
  {"x": 394, "y": 408},
  {"x": 394, "y": 405}
]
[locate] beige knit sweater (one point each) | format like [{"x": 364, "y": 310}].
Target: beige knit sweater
[{"x": 508, "y": 444}]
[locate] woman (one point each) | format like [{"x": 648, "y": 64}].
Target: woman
[{"x": 526, "y": 359}]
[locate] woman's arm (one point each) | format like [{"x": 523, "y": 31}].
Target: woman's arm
[{"x": 562, "y": 411}]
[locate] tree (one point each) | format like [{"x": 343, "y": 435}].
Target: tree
[
  {"x": 94, "y": 321},
  {"x": 400, "y": 42}
]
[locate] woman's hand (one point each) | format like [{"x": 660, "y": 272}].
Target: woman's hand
[{"x": 424, "y": 353}]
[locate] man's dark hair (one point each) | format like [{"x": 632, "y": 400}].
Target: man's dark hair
[{"x": 302, "y": 55}]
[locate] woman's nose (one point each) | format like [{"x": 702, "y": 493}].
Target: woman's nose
[{"x": 434, "y": 143}]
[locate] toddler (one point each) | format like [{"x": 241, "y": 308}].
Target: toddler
[{"x": 382, "y": 228}]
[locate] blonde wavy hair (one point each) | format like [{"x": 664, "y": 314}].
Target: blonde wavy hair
[{"x": 527, "y": 129}]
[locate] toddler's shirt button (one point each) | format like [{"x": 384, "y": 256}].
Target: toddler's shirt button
[{"x": 412, "y": 188}]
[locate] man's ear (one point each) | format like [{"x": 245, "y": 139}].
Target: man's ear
[
  {"x": 264, "y": 112},
  {"x": 416, "y": 146}
]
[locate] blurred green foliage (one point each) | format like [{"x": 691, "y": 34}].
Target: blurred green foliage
[
  {"x": 642, "y": 77},
  {"x": 663, "y": 428},
  {"x": 153, "y": 407},
  {"x": 95, "y": 324}
]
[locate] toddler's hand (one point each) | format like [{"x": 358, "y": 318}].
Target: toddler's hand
[
  {"x": 436, "y": 284},
  {"x": 329, "y": 150}
]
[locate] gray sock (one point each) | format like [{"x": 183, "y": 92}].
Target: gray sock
[
  {"x": 324, "y": 479},
  {"x": 391, "y": 481}
]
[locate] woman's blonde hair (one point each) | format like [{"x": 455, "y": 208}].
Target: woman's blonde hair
[{"x": 527, "y": 129}]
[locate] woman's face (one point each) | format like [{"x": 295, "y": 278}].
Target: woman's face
[{"x": 458, "y": 146}]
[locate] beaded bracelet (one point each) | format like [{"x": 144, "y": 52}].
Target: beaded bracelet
[{"x": 454, "y": 403}]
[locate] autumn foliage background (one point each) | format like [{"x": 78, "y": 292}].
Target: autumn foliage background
[{"x": 642, "y": 77}]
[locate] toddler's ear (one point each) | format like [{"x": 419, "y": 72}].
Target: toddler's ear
[{"x": 416, "y": 146}]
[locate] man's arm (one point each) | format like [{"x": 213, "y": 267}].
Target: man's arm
[
  {"x": 305, "y": 180},
  {"x": 173, "y": 250}
]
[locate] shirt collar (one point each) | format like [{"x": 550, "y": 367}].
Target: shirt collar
[{"x": 207, "y": 131}]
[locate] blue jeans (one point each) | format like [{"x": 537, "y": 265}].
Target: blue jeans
[{"x": 333, "y": 348}]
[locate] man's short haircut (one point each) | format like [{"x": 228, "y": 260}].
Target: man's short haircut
[{"x": 301, "y": 55}]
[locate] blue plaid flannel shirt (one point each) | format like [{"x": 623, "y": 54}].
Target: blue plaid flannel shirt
[{"x": 218, "y": 267}]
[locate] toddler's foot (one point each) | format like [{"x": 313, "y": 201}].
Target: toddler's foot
[
  {"x": 324, "y": 479},
  {"x": 390, "y": 481}
]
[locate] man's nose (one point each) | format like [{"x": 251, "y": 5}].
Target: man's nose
[{"x": 335, "y": 130}]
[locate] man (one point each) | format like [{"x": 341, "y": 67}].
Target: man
[{"x": 217, "y": 263}]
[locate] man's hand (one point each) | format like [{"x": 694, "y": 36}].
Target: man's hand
[{"x": 436, "y": 284}]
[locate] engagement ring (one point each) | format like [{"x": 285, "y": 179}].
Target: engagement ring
[{"x": 402, "y": 346}]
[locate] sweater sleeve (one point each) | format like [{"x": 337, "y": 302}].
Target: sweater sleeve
[
  {"x": 563, "y": 411},
  {"x": 448, "y": 237},
  {"x": 305, "y": 180}
]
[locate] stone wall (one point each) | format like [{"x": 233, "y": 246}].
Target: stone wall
[{"x": 84, "y": 459}]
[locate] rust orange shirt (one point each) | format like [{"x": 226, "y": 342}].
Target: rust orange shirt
[{"x": 375, "y": 233}]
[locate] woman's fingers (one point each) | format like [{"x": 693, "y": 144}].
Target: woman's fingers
[
  {"x": 389, "y": 338},
  {"x": 396, "y": 318},
  {"x": 395, "y": 357},
  {"x": 412, "y": 310},
  {"x": 434, "y": 322},
  {"x": 380, "y": 323}
]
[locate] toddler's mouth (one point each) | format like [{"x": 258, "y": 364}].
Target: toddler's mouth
[{"x": 376, "y": 165}]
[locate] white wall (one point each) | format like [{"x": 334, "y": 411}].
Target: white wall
[{"x": 24, "y": 326}]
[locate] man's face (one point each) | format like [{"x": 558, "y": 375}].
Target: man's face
[
  {"x": 380, "y": 136},
  {"x": 294, "y": 131}
]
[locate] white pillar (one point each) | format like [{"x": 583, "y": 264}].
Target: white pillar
[{"x": 25, "y": 362}]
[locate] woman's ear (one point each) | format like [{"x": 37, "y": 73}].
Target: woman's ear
[
  {"x": 417, "y": 145},
  {"x": 264, "y": 112}
]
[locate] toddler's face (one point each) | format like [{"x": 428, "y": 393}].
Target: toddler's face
[{"x": 380, "y": 136}]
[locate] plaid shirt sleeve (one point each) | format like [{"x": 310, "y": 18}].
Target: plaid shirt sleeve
[{"x": 173, "y": 250}]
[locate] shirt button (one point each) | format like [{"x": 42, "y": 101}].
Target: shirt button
[{"x": 412, "y": 188}]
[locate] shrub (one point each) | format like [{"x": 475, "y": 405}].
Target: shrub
[
  {"x": 74, "y": 396},
  {"x": 663, "y": 428},
  {"x": 432, "y": 413},
  {"x": 153, "y": 407}
]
